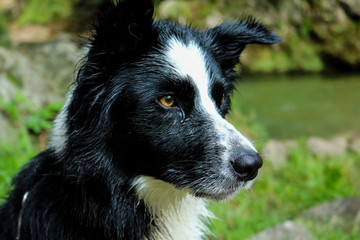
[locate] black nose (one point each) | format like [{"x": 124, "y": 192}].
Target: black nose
[{"x": 246, "y": 164}]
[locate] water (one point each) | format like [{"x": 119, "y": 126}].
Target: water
[{"x": 300, "y": 106}]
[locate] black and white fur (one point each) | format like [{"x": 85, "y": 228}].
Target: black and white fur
[{"x": 120, "y": 165}]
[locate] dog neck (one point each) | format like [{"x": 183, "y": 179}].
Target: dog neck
[{"x": 176, "y": 214}]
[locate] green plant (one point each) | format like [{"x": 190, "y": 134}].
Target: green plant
[
  {"x": 4, "y": 39},
  {"x": 41, "y": 120},
  {"x": 46, "y": 11},
  {"x": 20, "y": 148},
  {"x": 15, "y": 155},
  {"x": 11, "y": 109},
  {"x": 21, "y": 113}
]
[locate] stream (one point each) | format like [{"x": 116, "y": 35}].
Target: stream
[{"x": 301, "y": 106}]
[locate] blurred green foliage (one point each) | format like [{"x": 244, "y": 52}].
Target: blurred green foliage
[
  {"x": 55, "y": 11},
  {"x": 45, "y": 11},
  {"x": 20, "y": 148},
  {"x": 23, "y": 114},
  {"x": 41, "y": 120},
  {"x": 4, "y": 40},
  {"x": 15, "y": 152}
]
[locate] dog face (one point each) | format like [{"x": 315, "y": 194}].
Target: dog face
[
  {"x": 153, "y": 97},
  {"x": 182, "y": 97}
]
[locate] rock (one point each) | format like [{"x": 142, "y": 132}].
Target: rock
[
  {"x": 291, "y": 144},
  {"x": 7, "y": 4},
  {"x": 31, "y": 33},
  {"x": 284, "y": 231},
  {"x": 354, "y": 142},
  {"x": 277, "y": 152},
  {"x": 355, "y": 145},
  {"x": 325, "y": 148},
  {"x": 41, "y": 72},
  {"x": 344, "y": 211}
]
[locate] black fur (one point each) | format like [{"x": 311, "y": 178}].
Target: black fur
[{"x": 116, "y": 130}]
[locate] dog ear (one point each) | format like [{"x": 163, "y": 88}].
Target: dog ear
[
  {"x": 122, "y": 33},
  {"x": 228, "y": 40}
]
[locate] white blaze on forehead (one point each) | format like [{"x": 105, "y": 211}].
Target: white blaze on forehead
[{"x": 189, "y": 61}]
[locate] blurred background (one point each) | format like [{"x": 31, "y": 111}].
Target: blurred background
[{"x": 299, "y": 101}]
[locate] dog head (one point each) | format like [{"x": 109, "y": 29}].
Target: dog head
[{"x": 151, "y": 96}]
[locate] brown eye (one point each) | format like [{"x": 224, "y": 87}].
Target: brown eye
[{"x": 167, "y": 101}]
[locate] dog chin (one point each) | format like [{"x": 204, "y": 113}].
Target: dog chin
[{"x": 222, "y": 193}]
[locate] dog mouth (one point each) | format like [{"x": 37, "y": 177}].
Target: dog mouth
[
  {"x": 216, "y": 181},
  {"x": 220, "y": 193},
  {"x": 217, "y": 196}
]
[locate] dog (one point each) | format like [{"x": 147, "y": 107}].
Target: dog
[{"x": 141, "y": 143}]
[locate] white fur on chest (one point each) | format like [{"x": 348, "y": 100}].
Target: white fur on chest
[{"x": 179, "y": 215}]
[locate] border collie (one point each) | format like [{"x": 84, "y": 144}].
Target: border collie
[{"x": 141, "y": 143}]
